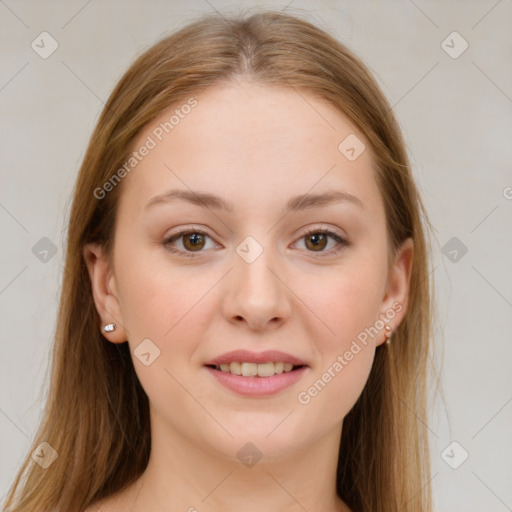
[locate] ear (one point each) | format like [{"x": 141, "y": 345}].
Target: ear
[
  {"x": 104, "y": 292},
  {"x": 396, "y": 297}
]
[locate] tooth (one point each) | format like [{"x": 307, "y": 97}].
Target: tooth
[
  {"x": 279, "y": 367},
  {"x": 254, "y": 369},
  {"x": 235, "y": 368},
  {"x": 249, "y": 369},
  {"x": 266, "y": 369}
]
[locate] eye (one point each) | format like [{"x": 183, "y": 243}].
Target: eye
[
  {"x": 318, "y": 239},
  {"x": 193, "y": 242}
]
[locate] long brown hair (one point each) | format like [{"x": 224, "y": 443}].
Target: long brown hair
[{"x": 97, "y": 414}]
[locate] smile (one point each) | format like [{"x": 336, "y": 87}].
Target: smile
[
  {"x": 256, "y": 370},
  {"x": 252, "y": 379}
]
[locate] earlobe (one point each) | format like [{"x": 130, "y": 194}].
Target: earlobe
[
  {"x": 104, "y": 293},
  {"x": 396, "y": 298}
]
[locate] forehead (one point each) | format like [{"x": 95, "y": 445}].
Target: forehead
[{"x": 249, "y": 142}]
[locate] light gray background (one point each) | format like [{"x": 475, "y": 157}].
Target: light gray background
[{"x": 456, "y": 117}]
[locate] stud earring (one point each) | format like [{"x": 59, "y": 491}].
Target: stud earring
[
  {"x": 389, "y": 332},
  {"x": 109, "y": 327}
]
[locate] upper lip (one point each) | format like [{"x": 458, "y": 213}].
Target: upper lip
[{"x": 245, "y": 356}]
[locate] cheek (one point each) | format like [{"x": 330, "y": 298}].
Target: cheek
[
  {"x": 166, "y": 306},
  {"x": 155, "y": 295},
  {"x": 332, "y": 393},
  {"x": 346, "y": 301},
  {"x": 348, "y": 305}
]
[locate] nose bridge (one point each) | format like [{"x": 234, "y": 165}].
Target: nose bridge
[
  {"x": 254, "y": 263},
  {"x": 257, "y": 292}
]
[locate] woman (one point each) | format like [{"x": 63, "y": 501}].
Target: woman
[{"x": 246, "y": 307}]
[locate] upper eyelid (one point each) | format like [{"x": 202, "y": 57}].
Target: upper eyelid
[{"x": 193, "y": 229}]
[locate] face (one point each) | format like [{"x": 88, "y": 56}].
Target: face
[{"x": 264, "y": 266}]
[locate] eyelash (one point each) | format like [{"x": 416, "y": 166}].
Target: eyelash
[{"x": 342, "y": 243}]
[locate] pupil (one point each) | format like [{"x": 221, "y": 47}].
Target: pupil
[{"x": 194, "y": 238}]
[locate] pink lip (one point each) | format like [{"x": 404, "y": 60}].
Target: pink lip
[
  {"x": 257, "y": 386},
  {"x": 244, "y": 356}
]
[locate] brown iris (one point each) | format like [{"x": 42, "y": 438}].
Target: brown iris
[
  {"x": 320, "y": 241},
  {"x": 196, "y": 241}
]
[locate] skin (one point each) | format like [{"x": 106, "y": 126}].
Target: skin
[{"x": 255, "y": 146}]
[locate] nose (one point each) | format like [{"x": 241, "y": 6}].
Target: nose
[{"x": 257, "y": 293}]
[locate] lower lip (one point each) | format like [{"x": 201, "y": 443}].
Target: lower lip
[{"x": 257, "y": 386}]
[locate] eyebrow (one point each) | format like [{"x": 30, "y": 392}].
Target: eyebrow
[{"x": 296, "y": 203}]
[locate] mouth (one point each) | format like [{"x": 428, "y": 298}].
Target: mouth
[
  {"x": 257, "y": 380},
  {"x": 256, "y": 370},
  {"x": 256, "y": 374}
]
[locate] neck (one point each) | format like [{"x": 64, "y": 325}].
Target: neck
[{"x": 183, "y": 476}]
